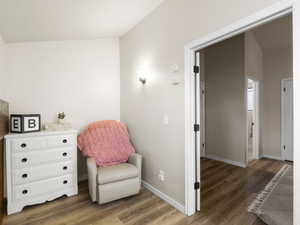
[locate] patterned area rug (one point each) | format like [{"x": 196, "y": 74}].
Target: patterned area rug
[{"x": 274, "y": 205}]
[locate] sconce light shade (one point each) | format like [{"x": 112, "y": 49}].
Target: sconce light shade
[{"x": 142, "y": 80}]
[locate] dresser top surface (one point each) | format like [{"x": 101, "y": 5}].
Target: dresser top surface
[{"x": 41, "y": 133}]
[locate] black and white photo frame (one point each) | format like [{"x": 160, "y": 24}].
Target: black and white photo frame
[{"x": 25, "y": 123}]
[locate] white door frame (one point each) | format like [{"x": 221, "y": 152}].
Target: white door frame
[
  {"x": 275, "y": 11},
  {"x": 197, "y": 120},
  {"x": 282, "y": 115},
  {"x": 256, "y": 119}
]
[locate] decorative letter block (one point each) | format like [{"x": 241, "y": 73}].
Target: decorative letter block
[{"x": 21, "y": 123}]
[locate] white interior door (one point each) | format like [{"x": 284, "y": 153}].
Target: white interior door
[
  {"x": 256, "y": 119},
  {"x": 250, "y": 119},
  {"x": 287, "y": 120}
]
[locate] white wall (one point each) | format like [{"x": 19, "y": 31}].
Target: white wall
[
  {"x": 2, "y": 68},
  {"x": 226, "y": 100},
  {"x": 155, "y": 44},
  {"x": 278, "y": 64},
  {"x": 80, "y": 78}
]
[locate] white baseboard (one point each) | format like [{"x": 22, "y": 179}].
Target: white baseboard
[
  {"x": 82, "y": 177},
  {"x": 217, "y": 158},
  {"x": 271, "y": 157},
  {"x": 165, "y": 197}
]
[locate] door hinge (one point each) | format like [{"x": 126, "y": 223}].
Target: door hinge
[
  {"x": 197, "y": 185},
  {"x": 196, "y": 127},
  {"x": 196, "y": 69}
]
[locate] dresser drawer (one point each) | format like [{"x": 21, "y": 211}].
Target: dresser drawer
[
  {"x": 42, "y": 187},
  {"x": 25, "y": 144},
  {"x": 60, "y": 141},
  {"x": 35, "y": 158},
  {"x": 27, "y": 175}
]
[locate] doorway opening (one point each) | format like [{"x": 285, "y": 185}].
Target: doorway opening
[
  {"x": 227, "y": 112},
  {"x": 252, "y": 119},
  {"x": 287, "y": 119}
]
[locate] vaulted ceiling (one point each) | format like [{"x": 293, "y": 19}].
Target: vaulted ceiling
[
  {"x": 44, "y": 20},
  {"x": 277, "y": 34}
]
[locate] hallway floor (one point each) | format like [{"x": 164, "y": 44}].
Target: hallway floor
[{"x": 227, "y": 191}]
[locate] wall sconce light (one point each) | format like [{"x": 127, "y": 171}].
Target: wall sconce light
[{"x": 142, "y": 80}]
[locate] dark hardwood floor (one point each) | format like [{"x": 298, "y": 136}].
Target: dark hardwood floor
[{"x": 226, "y": 193}]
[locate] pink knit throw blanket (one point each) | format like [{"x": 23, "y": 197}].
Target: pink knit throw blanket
[{"x": 107, "y": 142}]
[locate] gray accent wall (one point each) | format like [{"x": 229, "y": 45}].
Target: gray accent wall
[
  {"x": 225, "y": 100},
  {"x": 278, "y": 65}
]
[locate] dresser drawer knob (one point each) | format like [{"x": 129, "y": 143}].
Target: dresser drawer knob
[
  {"x": 65, "y": 168},
  {"x": 65, "y": 154},
  {"x": 25, "y": 175},
  {"x": 23, "y": 145},
  {"x": 24, "y": 160},
  {"x": 25, "y": 192},
  {"x": 65, "y": 141},
  {"x": 65, "y": 181}
]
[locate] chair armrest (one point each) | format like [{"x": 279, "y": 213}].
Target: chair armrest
[
  {"x": 92, "y": 176},
  {"x": 136, "y": 160}
]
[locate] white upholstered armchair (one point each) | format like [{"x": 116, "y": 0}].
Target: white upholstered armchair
[{"x": 114, "y": 182}]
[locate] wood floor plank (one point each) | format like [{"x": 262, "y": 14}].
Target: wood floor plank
[
  {"x": 152, "y": 215},
  {"x": 226, "y": 192},
  {"x": 168, "y": 218},
  {"x": 127, "y": 216}
]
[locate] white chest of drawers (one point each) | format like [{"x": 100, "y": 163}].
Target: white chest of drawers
[{"x": 40, "y": 167}]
